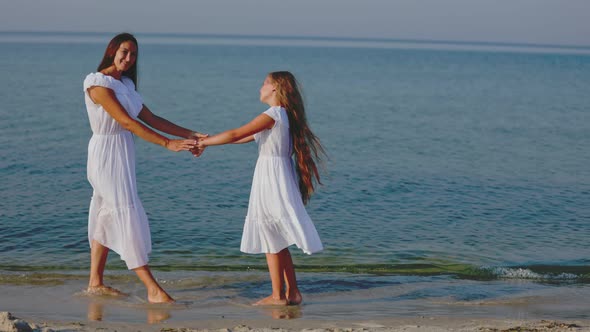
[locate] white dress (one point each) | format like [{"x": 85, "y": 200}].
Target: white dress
[
  {"x": 116, "y": 217},
  {"x": 276, "y": 215}
]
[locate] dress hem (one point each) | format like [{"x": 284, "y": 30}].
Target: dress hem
[
  {"x": 129, "y": 267},
  {"x": 308, "y": 252}
]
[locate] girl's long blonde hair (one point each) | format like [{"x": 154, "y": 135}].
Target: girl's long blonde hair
[{"x": 307, "y": 150}]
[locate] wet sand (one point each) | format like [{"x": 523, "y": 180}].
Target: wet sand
[{"x": 61, "y": 305}]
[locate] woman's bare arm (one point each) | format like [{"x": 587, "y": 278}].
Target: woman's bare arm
[
  {"x": 107, "y": 99},
  {"x": 163, "y": 125}
]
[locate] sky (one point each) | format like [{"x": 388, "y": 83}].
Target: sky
[{"x": 553, "y": 22}]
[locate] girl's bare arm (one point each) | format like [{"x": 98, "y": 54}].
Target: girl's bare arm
[{"x": 242, "y": 134}]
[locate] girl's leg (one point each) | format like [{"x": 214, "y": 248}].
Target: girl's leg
[
  {"x": 275, "y": 269},
  {"x": 156, "y": 294},
  {"x": 291, "y": 291},
  {"x": 98, "y": 260}
]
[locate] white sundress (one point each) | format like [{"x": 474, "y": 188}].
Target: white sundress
[
  {"x": 116, "y": 218},
  {"x": 276, "y": 215}
]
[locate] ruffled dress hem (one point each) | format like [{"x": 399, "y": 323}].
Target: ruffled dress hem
[
  {"x": 270, "y": 236},
  {"x": 120, "y": 229}
]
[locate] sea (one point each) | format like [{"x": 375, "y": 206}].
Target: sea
[{"x": 456, "y": 173}]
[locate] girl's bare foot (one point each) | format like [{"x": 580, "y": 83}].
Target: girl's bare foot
[
  {"x": 103, "y": 290},
  {"x": 159, "y": 296},
  {"x": 295, "y": 298},
  {"x": 271, "y": 301}
]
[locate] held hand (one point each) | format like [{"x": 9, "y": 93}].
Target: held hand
[
  {"x": 177, "y": 145},
  {"x": 196, "y": 151},
  {"x": 198, "y": 135},
  {"x": 200, "y": 144}
]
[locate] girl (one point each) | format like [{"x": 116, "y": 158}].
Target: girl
[{"x": 276, "y": 215}]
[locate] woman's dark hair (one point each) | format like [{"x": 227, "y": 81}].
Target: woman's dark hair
[{"x": 112, "y": 48}]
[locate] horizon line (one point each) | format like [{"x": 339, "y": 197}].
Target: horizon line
[{"x": 317, "y": 38}]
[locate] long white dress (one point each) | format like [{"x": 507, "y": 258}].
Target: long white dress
[
  {"x": 276, "y": 215},
  {"x": 116, "y": 217}
]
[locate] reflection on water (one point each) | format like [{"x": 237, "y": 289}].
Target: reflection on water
[
  {"x": 157, "y": 315},
  {"x": 288, "y": 312},
  {"x": 98, "y": 311},
  {"x": 95, "y": 311},
  {"x": 154, "y": 315}
]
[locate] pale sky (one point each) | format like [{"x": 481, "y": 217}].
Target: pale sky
[{"x": 558, "y": 22}]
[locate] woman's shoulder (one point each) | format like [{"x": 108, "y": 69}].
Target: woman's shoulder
[{"x": 100, "y": 79}]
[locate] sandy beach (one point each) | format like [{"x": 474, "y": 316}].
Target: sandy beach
[{"x": 10, "y": 323}]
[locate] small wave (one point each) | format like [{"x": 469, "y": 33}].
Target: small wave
[{"x": 546, "y": 273}]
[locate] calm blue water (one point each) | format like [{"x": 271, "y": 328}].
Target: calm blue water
[{"x": 468, "y": 164}]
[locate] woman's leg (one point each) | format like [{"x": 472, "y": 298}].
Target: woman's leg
[
  {"x": 98, "y": 260},
  {"x": 275, "y": 269},
  {"x": 291, "y": 290},
  {"x": 156, "y": 294}
]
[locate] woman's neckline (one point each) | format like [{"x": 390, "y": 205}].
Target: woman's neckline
[{"x": 110, "y": 76}]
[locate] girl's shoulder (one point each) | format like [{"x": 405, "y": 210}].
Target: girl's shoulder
[{"x": 277, "y": 113}]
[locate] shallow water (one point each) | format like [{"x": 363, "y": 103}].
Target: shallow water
[{"x": 327, "y": 296}]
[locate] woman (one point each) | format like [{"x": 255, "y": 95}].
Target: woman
[{"x": 116, "y": 218}]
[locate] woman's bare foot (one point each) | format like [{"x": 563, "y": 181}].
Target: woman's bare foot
[
  {"x": 271, "y": 301},
  {"x": 295, "y": 298},
  {"x": 103, "y": 290},
  {"x": 158, "y": 295}
]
